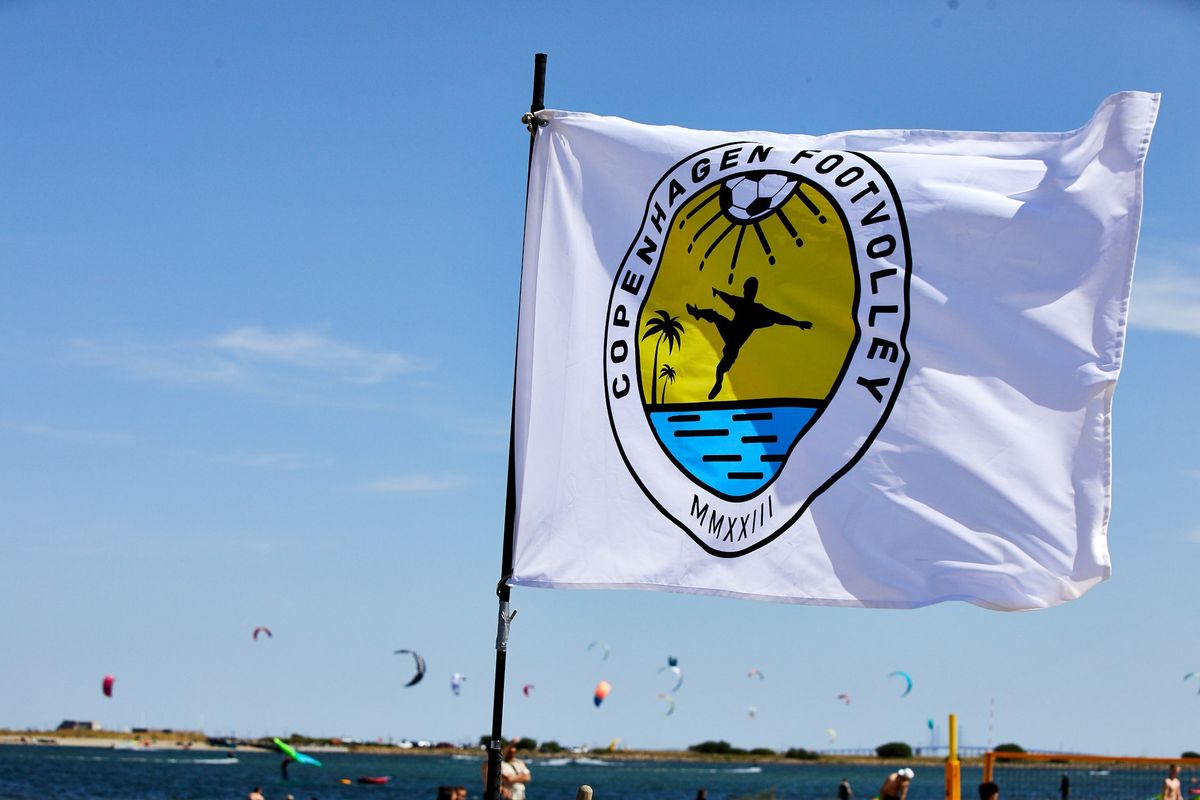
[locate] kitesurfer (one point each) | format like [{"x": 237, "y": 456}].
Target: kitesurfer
[
  {"x": 748, "y": 316},
  {"x": 1064, "y": 787},
  {"x": 283, "y": 766},
  {"x": 844, "y": 791},
  {"x": 896, "y": 785},
  {"x": 988, "y": 790},
  {"x": 1171, "y": 789},
  {"x": 256, "y": 794}
]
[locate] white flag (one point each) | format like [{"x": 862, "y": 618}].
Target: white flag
[{"x": 871, "y": 368}]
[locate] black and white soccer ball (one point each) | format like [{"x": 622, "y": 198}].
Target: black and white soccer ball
[{"x": 753, "y": 195}]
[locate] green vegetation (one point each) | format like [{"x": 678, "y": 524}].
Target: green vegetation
[
  {"x": 802, "y": 754},
  {"x": 551, "y": 747},
  {"x": 1008, "y": 747},
  {"x": 717, "y": 748},
  {"x": 1190, "y": 754},
  {"x": 763, "y": 751},
  {"x": 894, "y": 750},
  {"x": 525, "y": 743}
]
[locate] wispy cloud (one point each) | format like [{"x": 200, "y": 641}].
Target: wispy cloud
[
  {"x": 311, "y": 350},
  {"x": 248, "y": 357},
  {"x": 1192, "y": 536},
  {"x": 175, "y": 363},
  {"x": 65, "y": 434},
  {"x": 1166, "y": 291},
  {"x": 414, "y": 484}
]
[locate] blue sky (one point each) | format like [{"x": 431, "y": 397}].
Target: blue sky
[{"x": 258, "y": 284}]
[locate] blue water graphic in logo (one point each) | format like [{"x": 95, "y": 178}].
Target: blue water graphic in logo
[{"x": 733, "y": 451}]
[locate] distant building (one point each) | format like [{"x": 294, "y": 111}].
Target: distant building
[{"x": 78, "y": 725}]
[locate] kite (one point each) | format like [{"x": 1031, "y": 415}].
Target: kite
[
  {"x": 929, "y": 724},
  {"x": 832, "y": 735},
  {"x": 456, "y": 682},
  {"x": 602, "y": 690},
  {"x": 602, "y": 645},
  {"x": 845, "y": 698},
  {"x": 1191, "y": 675},
  {"x": 670, "y": 702},
  {"x": 294, "y": 754},
  {"x": 107, "y": 684},
  {"x": 672, "y": 661},
  {"x": 754, "y": 671},
  {"x": 907, "y": 680},
  {"x": 420, "y": 666},
  {"x": 526, "y": 689},
  {"x": 612, "y": 746},
  {"x": 752, "y": 712},
  {"x": 677, "y": 672},
  {"x": 261, "y": 629}
]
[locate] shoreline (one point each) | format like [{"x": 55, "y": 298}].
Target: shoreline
[{"x": 159, "y": 742}]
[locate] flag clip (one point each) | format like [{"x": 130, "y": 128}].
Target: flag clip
[
  {"x": 505, "y": 619},
  {"x": 529, "y": 120}
]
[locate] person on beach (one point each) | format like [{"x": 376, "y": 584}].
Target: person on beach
[
  {"x": 896, "y": 785},
  {"x": 513, "y": 774},
  {"x": 1171, "y": 789},
  {"x": 256, "y": 794},
  {"x": 988, "y": 790},
  {"x": 460, "y": 793},
  {"x": 844, "y": 791}
]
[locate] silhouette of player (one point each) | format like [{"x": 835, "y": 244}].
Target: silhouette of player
[{"x": 748, "y": 317}]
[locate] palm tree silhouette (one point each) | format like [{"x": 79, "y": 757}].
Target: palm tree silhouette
[
  {"x": 667, "y": 373},
  {"x": 664, "y": 326}
]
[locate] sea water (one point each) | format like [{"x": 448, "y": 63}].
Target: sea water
[
  {"x": 735, "y": 451},
  {"x": 74, "y": 773}
]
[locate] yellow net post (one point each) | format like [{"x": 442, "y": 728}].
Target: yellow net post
[{"x": 953, "y": 767}]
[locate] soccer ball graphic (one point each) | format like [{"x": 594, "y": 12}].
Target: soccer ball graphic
[{"x": 754, "y": 195}]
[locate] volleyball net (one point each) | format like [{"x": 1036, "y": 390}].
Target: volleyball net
[{"x": 1070, "y": 776}]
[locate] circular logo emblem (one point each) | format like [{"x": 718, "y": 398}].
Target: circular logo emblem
[{"x": 754, "y": 342}]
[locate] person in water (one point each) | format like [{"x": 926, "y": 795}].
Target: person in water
[
  {"x": 844, "y": 792},
  {"x": 748, "y": 317}
]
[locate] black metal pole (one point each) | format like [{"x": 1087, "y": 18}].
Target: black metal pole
[{"x": 510, "y": 503}]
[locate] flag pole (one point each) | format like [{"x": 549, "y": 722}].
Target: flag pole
[{"x": 510, "y": 502}]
